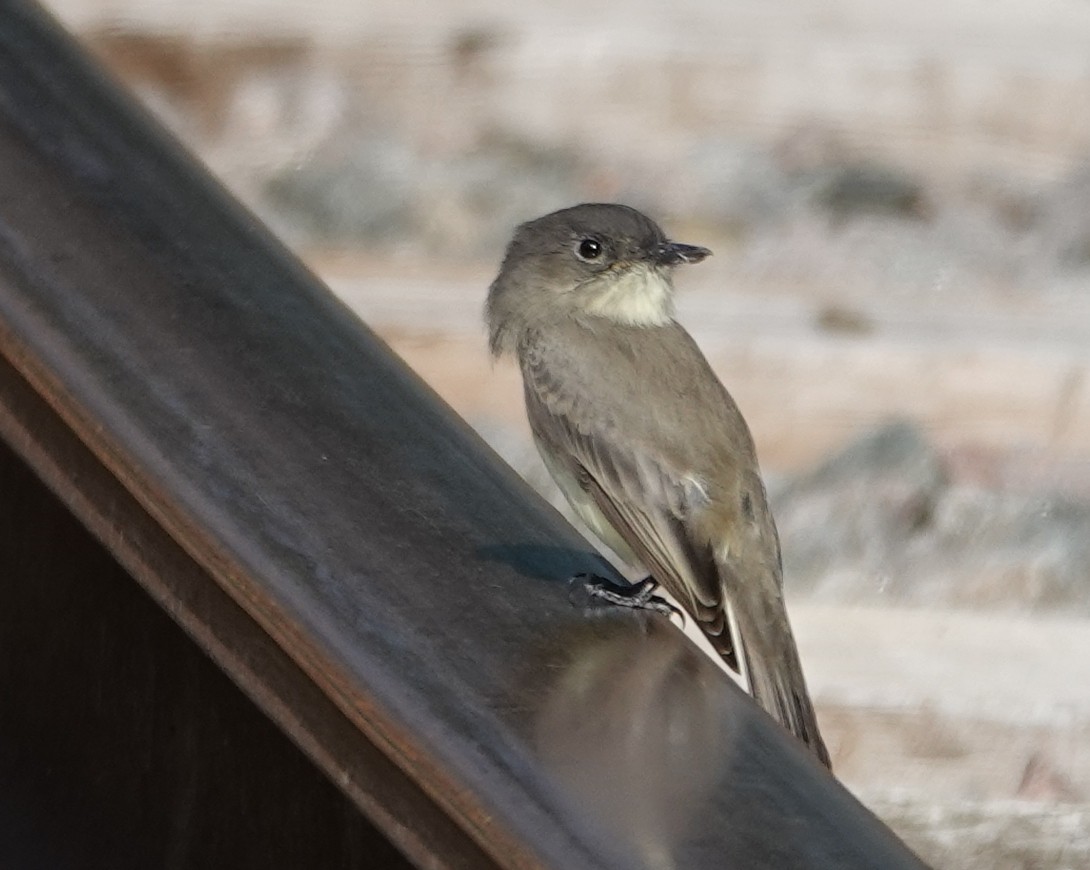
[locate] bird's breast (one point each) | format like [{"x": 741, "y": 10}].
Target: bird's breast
[{"x": 635, "y": 295}]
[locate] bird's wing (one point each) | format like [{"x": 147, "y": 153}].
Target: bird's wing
[
  {"x": 732, "y": 591},
  {"x": 647, "y": 503}
]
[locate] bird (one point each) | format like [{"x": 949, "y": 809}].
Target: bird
[{"x": 644, "y": 441}]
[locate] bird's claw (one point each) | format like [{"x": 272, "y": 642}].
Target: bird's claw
[{"x": 639, "y": 596}]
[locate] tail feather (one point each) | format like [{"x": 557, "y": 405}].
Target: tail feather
[{"x": 770, "y": 670}]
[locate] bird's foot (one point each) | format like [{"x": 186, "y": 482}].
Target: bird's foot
[{"x": 640, "y": 596}]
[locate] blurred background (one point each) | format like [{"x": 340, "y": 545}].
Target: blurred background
[{"x": 898, "y": 198}]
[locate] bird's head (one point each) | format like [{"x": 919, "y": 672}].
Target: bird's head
[{"x": 589, "y": 261}]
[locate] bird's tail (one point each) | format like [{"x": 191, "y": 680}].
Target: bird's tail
[{"x": 760, "y": 647}]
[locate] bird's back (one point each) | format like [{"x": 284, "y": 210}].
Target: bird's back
[{"x": 681, "y": 487}]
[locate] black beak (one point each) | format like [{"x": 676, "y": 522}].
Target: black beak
[{"x": 675, "y": 253}]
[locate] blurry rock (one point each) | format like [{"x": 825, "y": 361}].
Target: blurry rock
[
  {"x": 834, "y": 178},
  {"x": 469, "y": 202},
  {"x": 1064, "y": 220},
  {"x": 471, "y": 49},
  {"x": 1030, "y": 552},
  {"x": 739, "y": 186},
  {"x": 365, "y": 189},
  {"x": 881, "y": 521},
  {"x": 840, "y": 522},
  {"x": 362, "y": 189},
  {"x": 1043, "y": 781},
  {"x": 842, "y": 320},
  {"x": 810, "y": 146},
  {"x": 1011, "y": 199},
  {"x": 850, "y": 191}
]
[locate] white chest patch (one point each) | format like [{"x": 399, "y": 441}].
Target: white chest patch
[{"x": 637, "y": 296}]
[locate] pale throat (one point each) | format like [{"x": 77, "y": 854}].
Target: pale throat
[{"x": 638, "y": 295}]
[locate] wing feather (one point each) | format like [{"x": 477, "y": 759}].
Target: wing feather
[
  {"x": 649, "y": 505},
  {"x": 721, "y": 564}
]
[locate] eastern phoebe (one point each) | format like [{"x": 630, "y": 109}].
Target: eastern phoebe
[{"x": 644, "y": 441}]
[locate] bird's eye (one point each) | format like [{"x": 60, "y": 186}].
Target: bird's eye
[{"x": 589, "y": 249}]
